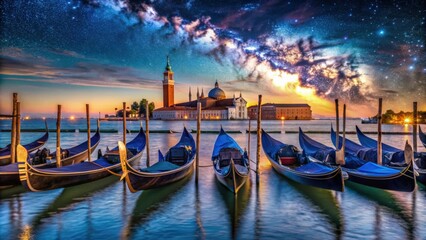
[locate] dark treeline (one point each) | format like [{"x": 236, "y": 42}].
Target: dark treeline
[{"x": 137, "y": 109}]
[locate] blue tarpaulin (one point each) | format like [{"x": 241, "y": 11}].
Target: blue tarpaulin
[{"x": 224, "y": 141}]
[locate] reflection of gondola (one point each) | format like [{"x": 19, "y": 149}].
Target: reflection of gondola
[
  {"x": 384, "y": 198},
  {"x": 326, "y": 202},
  {"x": 70, "y": 196},
  {"x": 236, "y": 205},
  {"x": 150, "y": 201}
]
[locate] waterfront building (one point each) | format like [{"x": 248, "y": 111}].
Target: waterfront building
[
  {"x": 273, "y": 111},
  {"x": 214, "y": 106}
]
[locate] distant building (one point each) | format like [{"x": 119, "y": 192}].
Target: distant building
[
  {"x": 272, "y": 111},
  {"x": 214, "y": 106}
]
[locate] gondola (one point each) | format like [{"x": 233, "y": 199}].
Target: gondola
[
  {"x": 36, "y": 179},
  {"x": 230, "y": 162},
  {"x": 175, "y": 165},
  {"x": 419, "y": 158},
  {"x": 31, "y": 147},
  {"x": 422, "y": 136},
  {"x": 288, "y": 161},
  {"x": 9, "y": 174},
  {"x": 360, "y": 171}
]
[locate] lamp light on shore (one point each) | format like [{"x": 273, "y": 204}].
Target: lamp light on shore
[{"x": 407, "y": 121}]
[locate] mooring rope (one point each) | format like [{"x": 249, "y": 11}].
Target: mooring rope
[{"x": 206, "y": 165}]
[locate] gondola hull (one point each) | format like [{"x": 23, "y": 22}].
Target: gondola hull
[
  {"x": 137, "y": 181},
  {"x": 31, "y": 147},
  {"x": 150, "y": 178},
  {"x": 403, "y": 181},
  {"x": 371, "y": 143},
  {"x": 9, "y": 175},
  {"x": 377, "y": 176},
  {"x": 332, "y": 180},
  {"x": 35, "y": 180},
  {"x": 422, "y": 136},
  {"x": 233, "y": 179}
]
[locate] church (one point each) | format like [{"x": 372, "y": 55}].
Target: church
[{"x": 215, "y": 105}]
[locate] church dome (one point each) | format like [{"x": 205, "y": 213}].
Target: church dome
[{"x": 217, "y": 93}]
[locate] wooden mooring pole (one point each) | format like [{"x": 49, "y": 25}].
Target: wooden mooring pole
[
  {"x": 259, "y": 117},
  {"x": 197, "y": 156},
  {"x": 58, "y": 138},
  {"x": 342, "y": 160},
  {"x": 248, "y": 141},
  {"x": 124, "y": 123},
  {"x": 337, "y": 123},
  {"x": 147, "y": 133},
  {"x": 89, "y": 145},
  {"x": 415, "y": 126},
  {"x": 379, "y": 133},
  {"x": 18, "y": 123},
  {"x": 13, "y": 132}
]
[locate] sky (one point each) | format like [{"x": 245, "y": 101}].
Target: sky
[{"x": 106, "y": 52}]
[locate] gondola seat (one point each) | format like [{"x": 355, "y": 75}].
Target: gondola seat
[
  {"x": 114, "y": 157},
  {"x": 287, "y": 155},
  {"x": 226, "y": 154},
  {"x": 177, "y": 156}
]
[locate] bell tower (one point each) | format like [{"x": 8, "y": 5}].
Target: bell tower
[{"x": 168, "y": 86}]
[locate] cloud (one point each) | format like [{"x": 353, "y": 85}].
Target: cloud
[{"x": 81, "y": 74}]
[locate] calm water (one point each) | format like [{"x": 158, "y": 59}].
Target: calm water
[{"x": 277, "y": 208}]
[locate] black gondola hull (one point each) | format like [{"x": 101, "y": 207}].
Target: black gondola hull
[
  {"x": 332, "y": 181},
  {"x": 232, "y": 176},
  {"x": 31, "y": 147},
  {"x": 11, "y": 178},
  {"x": 403, "y": 181},
  {"x": 137, "y": 181},
  {"x": 38, "y": 181}
]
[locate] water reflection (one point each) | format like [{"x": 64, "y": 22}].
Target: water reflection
[
  {"x": 326, "y": 200},
  {"x": 235, "y": 204},
  {"x": 277, "y": 208},
  {"x": 70, "y": 196},
  {"x": 148, "y": 202},
  {"x": 398, "y": 203},
  {"x": 201, "y": 233}
]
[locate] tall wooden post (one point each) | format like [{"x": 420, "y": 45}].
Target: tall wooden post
[
  {"x": 337, "y": 123},
  {"x": 13, "y": 131},
  {"x": 18, "y": 123},
  {"x": 58, "y": 138},
  {"x": 248, "y": 141},
  {"x": 124, "y": 123},
  {"x": 342, "y": 160},
  {"x": 379, "y": 133},
  {"x": 197, "y": 156},
  {"x": 89, "y": 145},
  {"x": 259, "y": 117},
  {"x": 415, "y": 126},
  {"x": 147, "y": 133}
]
